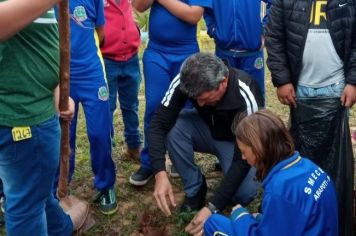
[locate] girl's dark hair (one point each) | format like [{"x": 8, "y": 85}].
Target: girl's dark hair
[{"x": 268, "y": 138}]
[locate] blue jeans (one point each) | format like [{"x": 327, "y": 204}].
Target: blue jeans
[
  {"x": 124, "y": 79},
  {"x": 27, "y": 169},
  {"x": 191, "y": 134},
  {"x": 333, "y": 90}
]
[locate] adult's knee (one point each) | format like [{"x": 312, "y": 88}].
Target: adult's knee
[{"x": 178, "y": 135}]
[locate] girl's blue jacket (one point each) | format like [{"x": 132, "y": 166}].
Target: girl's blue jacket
[{"x": 299, "y": 199}]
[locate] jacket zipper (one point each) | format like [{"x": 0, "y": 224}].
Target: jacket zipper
[{"x": 304, "y": 39}]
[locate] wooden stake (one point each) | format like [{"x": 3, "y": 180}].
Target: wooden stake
[{"x": 64, "y": 42}]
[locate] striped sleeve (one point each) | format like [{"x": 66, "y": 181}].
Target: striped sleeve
[
  {"x": 168, "y": 96},
  {"x": 249, "y": 97}
]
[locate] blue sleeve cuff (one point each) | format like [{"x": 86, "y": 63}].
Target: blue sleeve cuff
[
  {"x": 238, "y": 213},
  {"x": 258, "y": 217}
]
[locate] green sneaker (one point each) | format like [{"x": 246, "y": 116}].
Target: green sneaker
[{"x": 107, "y": 201}]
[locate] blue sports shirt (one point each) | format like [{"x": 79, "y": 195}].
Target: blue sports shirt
[
  {"x": 235, "y": 24},
  {"x": 168, "y": 33},
  {"x": 86, "y": 60}
]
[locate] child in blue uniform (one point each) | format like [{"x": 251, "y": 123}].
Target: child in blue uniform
[
  {"x": 299, "y": 197},
  {"x": 172, "y": 38},
  {"x": 88, "y": 86},
  {"x": 236, "y": 28}
]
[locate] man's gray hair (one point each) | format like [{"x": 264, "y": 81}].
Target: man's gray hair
[{"x": 200, "y": 73}]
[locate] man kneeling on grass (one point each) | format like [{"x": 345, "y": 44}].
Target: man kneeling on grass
[{"x": 218, "y": 93}]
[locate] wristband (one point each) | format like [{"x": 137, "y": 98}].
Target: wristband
[{"x": 212, "y": 208}]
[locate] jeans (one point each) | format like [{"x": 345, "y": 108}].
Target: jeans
[
  {"x": 191, "y": 134},
  {"x": 333, "y": 90},
  {"x": 124, "y": 79},
  {"x": 27, "y": 169}
]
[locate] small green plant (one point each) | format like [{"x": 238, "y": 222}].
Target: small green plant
[{"x": 182, "y": 219}]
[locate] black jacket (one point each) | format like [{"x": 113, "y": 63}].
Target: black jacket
[
  {"x": 242, "y": 95},
  {"x": 287, "y": 30}
]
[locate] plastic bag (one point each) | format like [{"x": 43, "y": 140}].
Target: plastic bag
[{"x": 321, "y": 132}]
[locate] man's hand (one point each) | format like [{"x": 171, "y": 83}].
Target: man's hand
[
  {"x": 163, "y": 189},
  {"x": 348, "y": 97},
  {"x": 195, "y": 227},
  {"x": 68, "y": 114},
  {"x": 286, "y": 95}
]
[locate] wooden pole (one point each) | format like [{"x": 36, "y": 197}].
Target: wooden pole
[
  {"x": 77, "y": 209},
  {"x": 64, "y": 43}
]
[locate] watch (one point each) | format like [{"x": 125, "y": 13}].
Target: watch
[{"x": 212, "y": 208}]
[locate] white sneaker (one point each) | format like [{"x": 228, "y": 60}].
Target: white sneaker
[
  {"x": 170, "y": 168},
  {"x": 2, "y": 203}
]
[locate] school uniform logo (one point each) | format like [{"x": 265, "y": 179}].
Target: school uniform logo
[
  {"x": 80, "y": 14},
  {"x": 259, "y": 63},
  {"x": 103, "y": 93}
]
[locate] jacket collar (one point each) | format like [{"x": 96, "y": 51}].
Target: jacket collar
[{"x": 285, "y": 164}]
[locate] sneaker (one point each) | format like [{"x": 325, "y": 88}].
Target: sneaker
[
  {"x": 2, "y": 207},
  {"x": 173, "y": 172},
  {"x": 107, "y": 201},
  {"x": 2, "y": 204},
  {"x": 141, "y": 177},
  {"x": 196, "y": 202}
]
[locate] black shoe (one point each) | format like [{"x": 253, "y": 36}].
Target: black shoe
[
  {"x": 196, "y": 202},
  {"x": 141, "y": 177}
]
